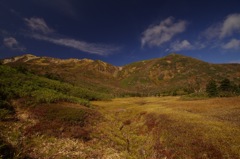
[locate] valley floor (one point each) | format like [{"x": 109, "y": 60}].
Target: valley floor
[
  {"x": 141, "y": 128},
  {"x": 169, "y": 127}
]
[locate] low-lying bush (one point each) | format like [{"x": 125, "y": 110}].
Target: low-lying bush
[{"x": 16, "y": 84}]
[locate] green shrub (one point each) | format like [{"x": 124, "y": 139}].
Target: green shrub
[
  {"x": 51, "y": 96},
  {"x": 78, "y": 101},
  {"x": 4, "y": 113},
  {"x": 46, "y": 96},
  {"x": 195, "y": 96},
  {"x": 17, "y": 83},
  {"x": 5, "y": 109},
  {"x": 66, "y": 114}
]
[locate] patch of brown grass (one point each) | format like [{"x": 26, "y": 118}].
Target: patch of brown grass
[{"x": 63, "y": 120}]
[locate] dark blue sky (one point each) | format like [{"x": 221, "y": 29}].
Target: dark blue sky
[{"x": 119, "y": 31}]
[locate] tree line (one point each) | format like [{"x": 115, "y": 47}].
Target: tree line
[{"x": 224, "y": 88}]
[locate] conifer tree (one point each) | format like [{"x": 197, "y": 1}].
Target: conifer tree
[
  {"x": 225, "y": 85},
  {"x": 211, "y": 88}
]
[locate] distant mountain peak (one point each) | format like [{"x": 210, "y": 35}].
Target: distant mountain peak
[
  {"x": 174, "y": 55},
  {"x": 87, "y": 60},
  {"x": 22, "y": 58}
]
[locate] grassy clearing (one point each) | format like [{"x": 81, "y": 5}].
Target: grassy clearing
[
  {"x": 172, "y": 128},
  {"x": 54, "y": 130},
  {"x": 131, "y": 128}
]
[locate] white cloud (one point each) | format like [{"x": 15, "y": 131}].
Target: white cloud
[
  {"x": 231, "y": 25},
  {"x": 39, "y": 25},
  {"x": 181, "y": 45},
  {"x": 224, "y": 29},
  {"x": 12, "y": 43},
  {"x": 233, "y": 44},
  {"x": 213, "y": 31},
  {"x": 92, "y": 48},
  {"x": 156, "y": 35},
  {"x": 41, "y": 31}
]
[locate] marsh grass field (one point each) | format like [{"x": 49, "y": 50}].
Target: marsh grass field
[
  {"x": 128, "y": 128},
  {"x": 169, "y": 127}
]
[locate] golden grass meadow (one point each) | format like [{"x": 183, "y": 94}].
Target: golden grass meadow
[
  {"x": 153, "y": 127},
  {"x": 131, "y": 128}
]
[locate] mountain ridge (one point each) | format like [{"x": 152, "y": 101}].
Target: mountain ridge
[
  {"x": 30, "y": 56},
  {"x": 170, "y": 74}
]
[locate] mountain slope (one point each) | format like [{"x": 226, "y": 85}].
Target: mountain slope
[
  {"x": 175, "y": 72},
  {"x": 90, "y": 74},
  {"x": 171, "y": 74}
]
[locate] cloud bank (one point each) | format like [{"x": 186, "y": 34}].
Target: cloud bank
[
  {"x": 38, "y": 24},
  {"x": 181, "y": 45},
  {"x": 227, "y": 28},
  {"x": 230, "y": 26},
  {"x": 223, "y": 31},
  {"x": 12, "y": 43},
  {"x": 92, "y": 48},
  {"x": 41, "y": 31},
  {"x": 221, "y": 35},
  {"x": 163, "y": 32},
  {"x": 233, "y": 44}
]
